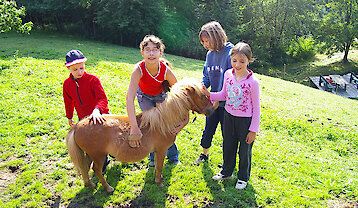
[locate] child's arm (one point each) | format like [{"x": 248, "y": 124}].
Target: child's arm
[
  {"x": 101, "y": 102},
  {"x": 255, "y": 101},
  {"x": 170, "y": 77},
  {"x": 131, "y": 93},
  {"x": 69, "y": 107},
  {"x": 255, "y": 122},
  {"x": 206, "y": 80}
]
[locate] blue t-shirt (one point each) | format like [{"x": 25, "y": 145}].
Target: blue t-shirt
[{"x": 216, "y": 64}]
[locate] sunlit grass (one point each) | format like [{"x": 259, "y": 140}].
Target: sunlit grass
[{"x": 305, "y": 155}]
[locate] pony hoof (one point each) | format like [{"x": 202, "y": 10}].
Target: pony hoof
[
  {"x": 90, "y": 185},
  {"x": 109, "y": 189},
  {"x": 160, "y": 184}
]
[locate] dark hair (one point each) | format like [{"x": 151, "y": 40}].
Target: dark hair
[
  {"x": 154, "y": 39},
  {"x": 242, "y": 48},
  {"x": 215, "y": 33}
]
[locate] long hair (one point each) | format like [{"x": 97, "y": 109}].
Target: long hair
[
  {"x": 215, "y": 33},
  {"x": 174, "y": 109}
]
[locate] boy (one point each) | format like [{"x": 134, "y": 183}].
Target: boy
[{"x": 84, "y": 92}]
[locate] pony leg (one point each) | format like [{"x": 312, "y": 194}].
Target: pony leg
[
  {"x": 159, "y": 161},
  {"x": 84, "y": 172},
  {"x": 97, "y": 167}
]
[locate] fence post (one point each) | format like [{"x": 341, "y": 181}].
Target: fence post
[{"x": 284, "y": 71}]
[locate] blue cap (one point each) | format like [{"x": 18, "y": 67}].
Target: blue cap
[{"x": 74, "y": 57}]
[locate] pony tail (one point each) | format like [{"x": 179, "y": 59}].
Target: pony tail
[{"x": 81, "y": 160}]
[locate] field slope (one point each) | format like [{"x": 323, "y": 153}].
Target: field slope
[{"x": 306, "y": 154}]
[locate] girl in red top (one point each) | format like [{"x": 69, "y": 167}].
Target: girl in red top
[{"x": 146, "y": 81}]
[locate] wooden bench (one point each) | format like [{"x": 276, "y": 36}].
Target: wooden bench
[
  {"x": 339, "y": 82},
  {"x": 326, "y": 84},
  {"x": 353, "y": 79}
]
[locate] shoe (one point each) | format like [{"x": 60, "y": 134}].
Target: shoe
[
  {"x": 104, "y": 168},
  {"x": 151, "y": 163},
  {"x": 240, "y": 184},
  {"x": 219, "y": 177},
  {"x": 202, "y": 158},
  {"x": 175, "y": 162}
]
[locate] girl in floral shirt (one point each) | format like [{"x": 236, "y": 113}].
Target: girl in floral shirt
[{"x": 241, "y": 117}]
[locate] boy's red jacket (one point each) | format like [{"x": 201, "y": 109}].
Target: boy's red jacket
[{"x": 85, "y": 94}]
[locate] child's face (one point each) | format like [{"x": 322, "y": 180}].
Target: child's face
[
  {"x": 206, "y": 43},
  {"x": 239, "y": 62},
  {"x": 151, "y": 53},
  {"x": 77, "y": 70}
]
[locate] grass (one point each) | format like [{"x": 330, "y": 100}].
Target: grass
[
  {"x": 306, "y": 154},
  {"x": 318, "y": 65}
]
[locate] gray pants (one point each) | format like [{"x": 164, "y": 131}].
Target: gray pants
[{"x": 235, "y": 131}]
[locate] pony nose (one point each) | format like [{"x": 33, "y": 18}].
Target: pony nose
[{"x": 209, "y": 111}]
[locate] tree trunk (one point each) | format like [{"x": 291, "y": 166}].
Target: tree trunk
[{"x": 346, "y": 50}]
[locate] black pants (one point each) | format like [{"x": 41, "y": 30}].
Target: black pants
[
  {"x": 211, "y": 123},
  {"x": 235, "y": 132}
]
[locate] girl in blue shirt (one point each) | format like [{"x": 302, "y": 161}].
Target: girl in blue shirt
[{"x": 213, "y": 37}]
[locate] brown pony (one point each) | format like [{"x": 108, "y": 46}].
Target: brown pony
[{"x": 88, "y": 142}]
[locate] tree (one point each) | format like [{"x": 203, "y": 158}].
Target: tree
[
  {"x": 271, "y": 25},
  {"x": 11, "y": 18},
  {"x": 339, "y": 27}
]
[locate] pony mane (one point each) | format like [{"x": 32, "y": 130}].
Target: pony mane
[{"x": 167, "y": 115}]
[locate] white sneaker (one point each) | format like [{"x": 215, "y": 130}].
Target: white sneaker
[
  {"x": 219, "y": 177},
  {"x": 240, "y": 184}
]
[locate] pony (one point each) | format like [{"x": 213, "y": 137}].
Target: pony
[{"x": 89, "y": 143}]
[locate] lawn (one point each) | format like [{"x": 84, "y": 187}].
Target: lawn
[{"x": 306, "y": 154}]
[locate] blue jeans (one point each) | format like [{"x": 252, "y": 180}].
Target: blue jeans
[{"x": 146, "y": 102}]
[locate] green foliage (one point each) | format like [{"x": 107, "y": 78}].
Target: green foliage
[
  {"x": 304, "y": 156},
  {"x": 11, "y": 18},
  {"x": 339, "y": 27},
  {"x": 302, "y": 48}
]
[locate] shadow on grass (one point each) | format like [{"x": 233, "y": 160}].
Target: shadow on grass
[
  {"x": 228, "y": 196},
  {"x": 152, "y": 195},
  {"x": 88, "y": 197}
]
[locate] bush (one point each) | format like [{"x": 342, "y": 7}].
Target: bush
[{"x": 302, "y": 48}]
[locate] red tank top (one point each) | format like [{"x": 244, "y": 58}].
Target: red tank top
[{"x": 152, "y": 85}]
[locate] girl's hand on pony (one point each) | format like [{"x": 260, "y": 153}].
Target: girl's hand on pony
[
  {"x": 250, "y": 137},
  {"x": 96, "y": 116},
  {"x": 134, "y": 137}
]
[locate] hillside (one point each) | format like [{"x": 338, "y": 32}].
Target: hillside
[{"x": 306, "y": 154}]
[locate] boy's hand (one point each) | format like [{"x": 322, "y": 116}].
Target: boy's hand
[
  {"x": 71, "y": 122},
  {"x": 250, "y": 137},
  {"x": 96, "y": 116}
]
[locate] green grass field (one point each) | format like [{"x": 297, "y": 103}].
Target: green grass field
[{"x": 306, "y": 154}]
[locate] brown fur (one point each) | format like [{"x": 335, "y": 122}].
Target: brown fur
[{"x": 88, "y": 142}]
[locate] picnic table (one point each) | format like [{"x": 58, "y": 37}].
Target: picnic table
[{"x": 339, "y": 82}]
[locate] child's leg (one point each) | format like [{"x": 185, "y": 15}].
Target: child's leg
[
  {"x": 245, "y": 150},
  {"x": 211, "y": 123},
  {"x": 230, "y": 145},
  {"x": 173, "y": 153}
]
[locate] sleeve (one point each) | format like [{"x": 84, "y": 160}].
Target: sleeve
[
  {"x": 228, "y": 61},
  {"x": 219, "y": 96},
  {"x": 206, "y": 80},
  {"x": 255, "y": 99},
  {"x": 69, "y": 106},
  {"x": 101, "y": 98}
]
